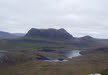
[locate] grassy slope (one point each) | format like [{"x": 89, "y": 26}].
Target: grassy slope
[
  {"x": 41, "y": 43},
  {"x": 104, "y": 72},
  {"x": 34, "y": 44},
  {"x": 92, "y": 62}
]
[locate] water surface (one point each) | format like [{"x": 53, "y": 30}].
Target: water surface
[
  {"x": 70, "y": 54},
  {"x": 50, "y": 59}
]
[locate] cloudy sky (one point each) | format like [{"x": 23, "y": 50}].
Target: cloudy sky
[{"x": 78, "y": 17}]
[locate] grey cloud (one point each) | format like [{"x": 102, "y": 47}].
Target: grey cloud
[{"x": 79, "y": 17}]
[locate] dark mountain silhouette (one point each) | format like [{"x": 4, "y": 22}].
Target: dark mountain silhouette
[
  {"x": 49, "y": 33},
  {"x": 62, "y": 34}
]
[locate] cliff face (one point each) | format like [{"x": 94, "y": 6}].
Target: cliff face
[{"x": 49, "y": 33}]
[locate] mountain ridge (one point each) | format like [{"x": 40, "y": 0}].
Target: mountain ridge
[
  {"x": 49, "y": 33},
  {"x": 53, "y": 39}
]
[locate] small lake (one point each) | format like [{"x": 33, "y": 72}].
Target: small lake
[
  {"x": 70, "y": 54},
  {"x": 50, "y": 59}
]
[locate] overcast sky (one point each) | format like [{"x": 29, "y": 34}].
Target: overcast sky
[{"x": 78, "y": 17}]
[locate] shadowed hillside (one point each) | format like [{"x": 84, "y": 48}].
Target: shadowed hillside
[{"x": 49, "y": 34}]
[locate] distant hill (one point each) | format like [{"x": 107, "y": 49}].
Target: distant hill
[
  {"x": 6, "y": 35},
  {"x": 19, "y": 34},
  {"x": 89, "y": 41},
  {"x": 49, "y": 34}
]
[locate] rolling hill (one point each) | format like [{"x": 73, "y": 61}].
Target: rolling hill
[{"x": 6, "y": 35}]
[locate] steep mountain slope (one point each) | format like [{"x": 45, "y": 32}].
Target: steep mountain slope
[{"x": 49, "y": 34}]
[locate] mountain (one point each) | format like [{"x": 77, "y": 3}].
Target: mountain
[
  {"x": 86, "y": 41},
  {"x": 6, "y": 35},
  {"x": 49, "y": 33},
  {"x": 87, "y": 38},
  {"x": 62, "y": 34},
  {"x": 48, "y": 39}
]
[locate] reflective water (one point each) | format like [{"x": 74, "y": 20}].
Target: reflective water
[
  {"x": 70, "y": 54},
  {"x": 50, "y": 59}
]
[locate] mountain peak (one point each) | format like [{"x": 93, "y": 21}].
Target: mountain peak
[
  {"x": 62, "y": 30},
  {"x": 50, "y": 33},
  {"x": 87, "y": 37}
]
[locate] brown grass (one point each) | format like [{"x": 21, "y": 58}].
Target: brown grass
[{"x": 95, "y": 62}]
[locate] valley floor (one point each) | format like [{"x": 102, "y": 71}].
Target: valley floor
[{"x": 82, "y": 65}]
